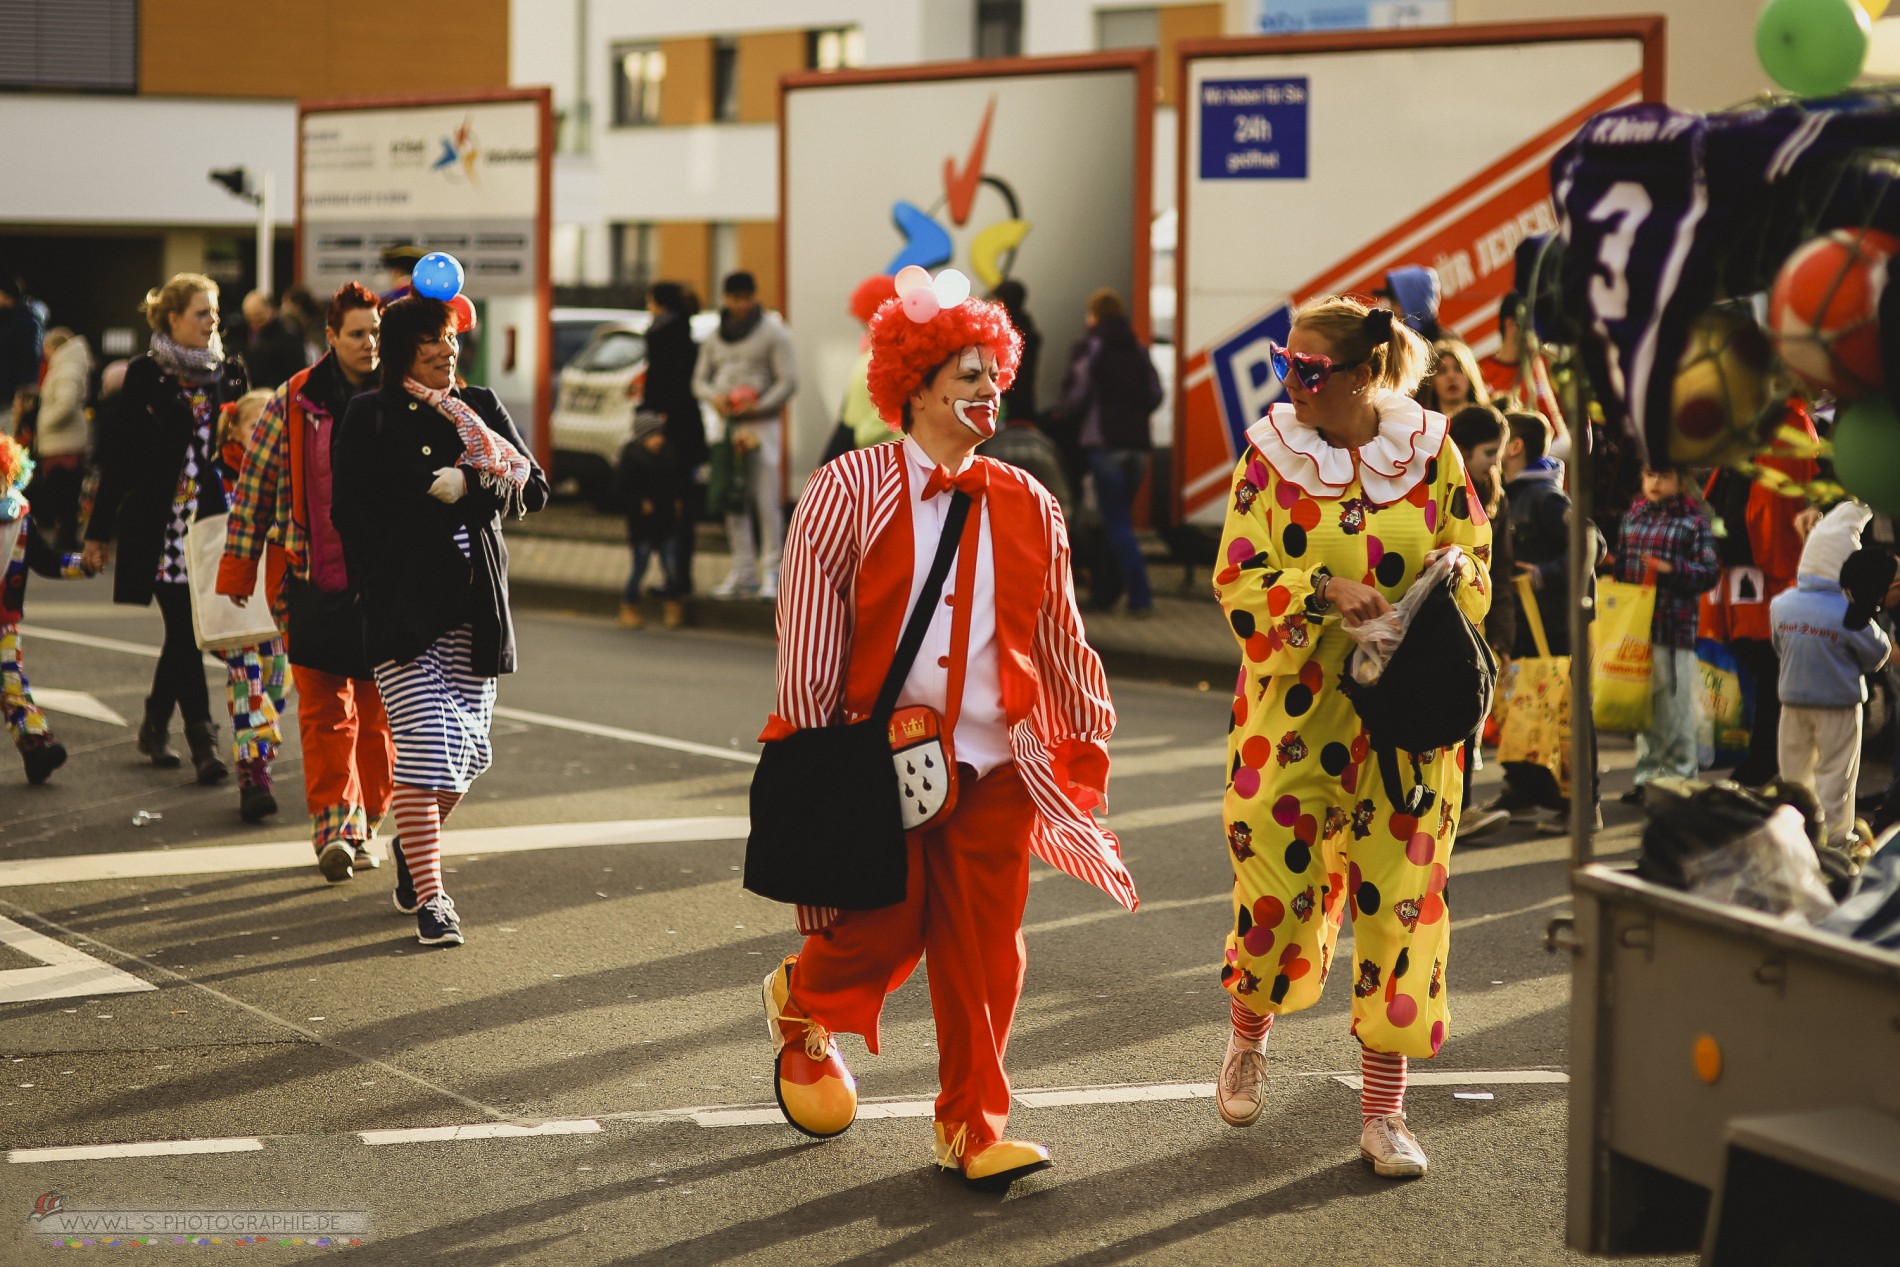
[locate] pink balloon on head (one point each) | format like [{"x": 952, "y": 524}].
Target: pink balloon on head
[
  {"x": 921, "y": 304},
  {"x": 909, "y": 278}
]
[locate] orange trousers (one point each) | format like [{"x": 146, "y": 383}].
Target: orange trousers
[
  {"x": 349, "y": 758},
  {"x": 963, "y": 913}
]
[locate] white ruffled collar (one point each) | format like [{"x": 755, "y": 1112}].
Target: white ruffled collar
[{"x": 1389, "y": 466}]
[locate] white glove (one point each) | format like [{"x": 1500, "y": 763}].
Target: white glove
[{"x": 451, "y": 485}]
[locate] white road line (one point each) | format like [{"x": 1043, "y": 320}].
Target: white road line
[
  {"x": 153, "y": 1148},
  {"x": 1472, "y": 1078},
  {"x": 770, "y": 1115},
  {"x": 1210, "y": 759},
  {"x": 1115, "y": 1095},
  {"x": 1164, "y": 815},
  {"x": 628, "y": 736},
  {"x": 1116, "y": 912},
  {"x": 77, "y": 704},
  {"x": 67, "y": 973},
  {"x": 514, "y": 714},
  {"x": 480, "y": 1130},
  {"x": 292, "y": 855}
]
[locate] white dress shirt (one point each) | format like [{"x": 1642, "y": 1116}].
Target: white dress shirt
[{"x": 981, "y": 737}]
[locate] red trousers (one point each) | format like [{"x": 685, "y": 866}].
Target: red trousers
[
  {"x": 963, "y": 912},
  {"x": 349, "y": 758}
]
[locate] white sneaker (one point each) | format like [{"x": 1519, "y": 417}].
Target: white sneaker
[
  {"x": 1389, "y": 1146},
  {"x": 1242, "y": 1090},
  {"x": 734, "y": 585},
  {"x": 769, "y": 589}
]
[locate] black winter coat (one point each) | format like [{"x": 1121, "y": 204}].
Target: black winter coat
[
  {"x": 1540, "y": 535},
  {"x": 1110, "y": 373},
  {"x": 671, "y": 358},
  {"x": 141, "y": 454},
  {"x": 399, "y": 542},
  {"x": 644, "y": 476}
]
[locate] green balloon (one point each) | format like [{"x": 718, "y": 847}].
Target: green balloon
[
  {"x": 1813, "y": 47},
  {"x": 1867, "y": 452}
]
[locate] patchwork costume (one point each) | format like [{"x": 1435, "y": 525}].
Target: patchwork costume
[
  {"x": 256, "y": 681},
  {"x": 1310, "y": 825},
  {"x": 282, "y": 507},
  {"x": 1005, "y": 656},
  {"x": 22, "y": 550}
]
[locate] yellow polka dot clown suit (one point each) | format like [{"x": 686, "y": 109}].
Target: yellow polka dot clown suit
[{"x": 1309, "y": 822}]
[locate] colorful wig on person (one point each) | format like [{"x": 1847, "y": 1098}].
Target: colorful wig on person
[
  {"x": 16, "y": 472},
  {"x": 906, "y": 352},
  {"x": 870, "y": 294}
]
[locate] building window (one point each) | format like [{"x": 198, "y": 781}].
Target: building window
[
  {"x": 639, "y": 73},
  {"x": 835, "y": 49},
  {"x": 89, "y": 45},
  {"x": 633, "y": 255},
  {"x": 1128, "y": 28},
  {"x": 725, "y": 81},
  {"x": 999, "y": 28}
]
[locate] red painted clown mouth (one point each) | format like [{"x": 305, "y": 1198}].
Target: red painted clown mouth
[{"x": 978, "y": 415}]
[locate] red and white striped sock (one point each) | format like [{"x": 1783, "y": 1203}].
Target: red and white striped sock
[
  {"x": 1249, "y": 1024},
  {"x": 1382, "y": 1084},
  {"x": 419, "y": 830},
  {"x": 445, "y": 802}
]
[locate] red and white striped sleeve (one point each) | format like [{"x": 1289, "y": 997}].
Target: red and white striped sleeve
[
  {"x": 814, "y": 603},
  {"x": 1073, "y": 710}
]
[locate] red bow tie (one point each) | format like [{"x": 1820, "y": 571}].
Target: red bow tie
[{"x": 973, "y": 482}]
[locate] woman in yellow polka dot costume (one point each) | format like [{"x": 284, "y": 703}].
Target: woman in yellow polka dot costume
[{"x": 1348, "y": 490}]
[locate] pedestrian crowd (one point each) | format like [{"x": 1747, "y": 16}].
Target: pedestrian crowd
[{"x": 337, "y": 484}]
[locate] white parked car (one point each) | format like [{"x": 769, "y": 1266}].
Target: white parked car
[{"x": 597, "y": 387}]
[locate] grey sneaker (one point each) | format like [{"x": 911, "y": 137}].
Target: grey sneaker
[
  {"x": 1556, "y": 822},
  {"x": 1242, "y": 1090},
  {"x": 337, "y": 861},
  {"x": 1389, "y": 1146}
]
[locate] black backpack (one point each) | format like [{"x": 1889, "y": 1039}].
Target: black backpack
[{"x": 1435, "y": 692}]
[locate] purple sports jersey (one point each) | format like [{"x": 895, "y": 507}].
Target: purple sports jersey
[{"x": 1661, "y": 212}]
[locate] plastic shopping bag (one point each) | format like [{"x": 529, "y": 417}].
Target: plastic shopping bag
[
  {"x": 1534, "y": 702},
  {"x": 1620, "y": 664},
  {"x": 1379, "y": 637},
  {"x": 1726, "y": 698},
  {"x": 218, "y": 623}
]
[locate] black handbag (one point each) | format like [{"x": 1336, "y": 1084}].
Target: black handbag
[
  {"x": 1435, "y": 692},
  {"x": 325, "y": 630},
  {"x": 827, "y": 820}
]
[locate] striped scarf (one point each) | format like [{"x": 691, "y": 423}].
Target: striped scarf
[
  {"x": 194, "y": 365},
  {"x": 498, "y": 463}
]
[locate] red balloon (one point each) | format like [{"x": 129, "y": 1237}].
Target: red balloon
[
  {"x": 464, "y": 312},
  {"x": 1824, "y": 310}
]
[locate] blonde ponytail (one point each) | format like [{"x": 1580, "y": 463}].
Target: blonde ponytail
[{"x": 1398, "y": 358}]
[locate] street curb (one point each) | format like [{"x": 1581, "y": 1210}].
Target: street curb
[{"x": 750, "y": 616}]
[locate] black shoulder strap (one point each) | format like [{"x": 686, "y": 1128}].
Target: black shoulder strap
[{"x": 920, "y": 616}]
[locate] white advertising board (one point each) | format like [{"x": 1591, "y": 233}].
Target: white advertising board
[
  {"x": 466, "y": 176},
  {"x": 1305, "y": 172},
  {"x": 1039, "y": 173}
]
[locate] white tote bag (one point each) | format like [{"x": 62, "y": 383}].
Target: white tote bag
[{"x": 219, "y": 623}]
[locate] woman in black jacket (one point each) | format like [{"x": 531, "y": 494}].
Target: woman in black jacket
[
  {"x": 157, "y": 473},
  {"x": 425, "y": 474},
  {"x": 671, "y": 358}
]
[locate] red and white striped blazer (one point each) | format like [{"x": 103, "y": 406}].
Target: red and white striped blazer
[{"x": 844, "y": 586}]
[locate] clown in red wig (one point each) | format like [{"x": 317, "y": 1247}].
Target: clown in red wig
[{"x": 1020, "y": 696}]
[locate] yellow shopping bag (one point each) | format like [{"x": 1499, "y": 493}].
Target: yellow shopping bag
[
  {"x": 1534, "y": 701},
  {"x": 1619, "y": 666}
]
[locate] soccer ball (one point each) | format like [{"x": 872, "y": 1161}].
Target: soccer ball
[
  {"x": 1825, "y": 310},
  {"x": 1721, "y": 385}
]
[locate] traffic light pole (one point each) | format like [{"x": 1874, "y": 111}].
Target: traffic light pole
[{"x": 266, "y": 234}]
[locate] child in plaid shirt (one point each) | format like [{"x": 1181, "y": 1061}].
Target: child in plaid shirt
[{"x": 1667, "y": 543}]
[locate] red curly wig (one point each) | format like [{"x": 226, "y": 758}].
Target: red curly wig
[
  {"x": 904, "y": 352},
  {"x": 871, "y": 293}
]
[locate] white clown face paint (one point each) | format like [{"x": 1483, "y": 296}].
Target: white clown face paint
[{"x": 972, "y": 391}]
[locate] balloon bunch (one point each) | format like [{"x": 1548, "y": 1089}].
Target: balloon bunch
[
  {"x": 924, "y": 298},
  {"x": 1816, "y": 47},
  {"x": 1825, "y": 315},
  {"x": 439, "y": 275}
]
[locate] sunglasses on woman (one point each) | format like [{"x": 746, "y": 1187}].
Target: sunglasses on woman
[{"x": 1310, "y": 368}]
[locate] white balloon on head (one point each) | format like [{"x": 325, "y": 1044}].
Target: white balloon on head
[
  {"x": 909, "y": 278},
  {"x": 952, "y": 287}
]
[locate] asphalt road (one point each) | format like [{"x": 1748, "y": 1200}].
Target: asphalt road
[{"x": 609, "y": 992}]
